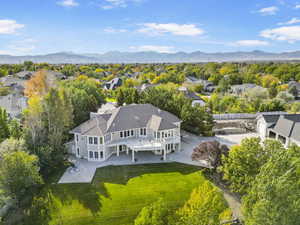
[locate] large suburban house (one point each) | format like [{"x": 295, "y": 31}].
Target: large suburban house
[
  {"x": 127, "y": 129},
  {"x": 282, "y": 127},
  {"x": 208, "y": 86}
]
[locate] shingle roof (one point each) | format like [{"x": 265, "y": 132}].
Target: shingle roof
[
  {"x": 24, "y": 74},
  {"x": 10, "y": 81},
  {"x": 158, "y": 123},
  {"x": 284, "y": 126},
  {"x": 296, "y": 132},
  {"x": 271, "y": 118},
  {"x": 128, "y": 117},
  {"x": 288, "y": 126},
  {"x": 14, "y": 104},
  {"x": 136, "y": 116}
]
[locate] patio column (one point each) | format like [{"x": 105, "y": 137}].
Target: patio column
[
  {"x": 127, "y": 150},
  {"x": 179, "y": 147},
  {"x": 165, "y": 153},
  {"x": 118, "y": 151},
  {"x": 133, "y": 156}
]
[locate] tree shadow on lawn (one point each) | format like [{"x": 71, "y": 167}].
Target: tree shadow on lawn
[{"x": 122, "y": 174}]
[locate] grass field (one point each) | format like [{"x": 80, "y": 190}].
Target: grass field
[{"x": 116, "y": 195}]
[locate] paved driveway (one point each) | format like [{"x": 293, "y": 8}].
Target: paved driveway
[{"x": 189, "y": 142}]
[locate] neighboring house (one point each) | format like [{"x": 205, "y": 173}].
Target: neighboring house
[
  {"x": 242, "y": 88},
  {"x": 283, "y": 127},
  {"x": 296, "y": 86},
  {"x": 113, "y": 84},
  {"x": 127, "y": 129},
  {"x": 14, "y": 83},
  {"x": 14, "y": 104},
  {"x": 57, "y": 75},
  {"x": 196, "y": 100},
  {"x": 24, "y": 75},
  {"x": 208, "y": 86}
]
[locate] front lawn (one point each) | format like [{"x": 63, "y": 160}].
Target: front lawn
[{"x": 116, "y": 195}]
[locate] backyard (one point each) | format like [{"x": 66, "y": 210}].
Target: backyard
[{"x": 115, "y": 196}]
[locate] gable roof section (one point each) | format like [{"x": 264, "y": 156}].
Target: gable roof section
[
  {"x": 93, "y": 127},
  {"x": 158, "y": 123}
]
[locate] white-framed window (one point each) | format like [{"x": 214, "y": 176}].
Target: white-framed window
[
  {"x": 93, "y": 140},
  {"x": 91, "y": 154},
  {"x": 96, "y": 155},
  {"x": 126, "y": 133},
  {"x": 77, "y": 137},
  {"x": 143, "y": 132},
  {"x": 101, "y": 140}
]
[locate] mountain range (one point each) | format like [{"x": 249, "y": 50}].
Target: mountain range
[{"x": 151, "y": 57}]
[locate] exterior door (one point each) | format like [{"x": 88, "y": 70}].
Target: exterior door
[{"x": 95, "y": 156}]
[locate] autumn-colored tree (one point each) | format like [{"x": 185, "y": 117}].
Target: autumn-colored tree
[
  {"x": 39, "y": 84},
  {"x": 269, "y": 81},
  {"x": 33, "y": 122}
]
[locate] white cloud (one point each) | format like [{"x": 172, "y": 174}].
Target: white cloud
[
  {"x": 110, "y": 4},
  {"x": 153, "y": 48},
  {"x": 284, "y": 33},
  {"x": 297, "y": 6},
  {"x": 68, "y": 3},
  {"x": 9, "y": 26},
  {"x": 250, "y": 43},
  {"x": 291, "y": 21},
  {"x": 171, "y": 28},
  {"x": 272, "y": 10},
  {"x": 113, "y": 30}
]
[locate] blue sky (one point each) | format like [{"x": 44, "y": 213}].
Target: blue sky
[{"x": 97, "y": 26}]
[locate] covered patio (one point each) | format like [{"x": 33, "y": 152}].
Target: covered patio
[{"x": 141, "y": 145}]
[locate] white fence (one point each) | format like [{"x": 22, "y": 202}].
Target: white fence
[{"x": 241, "y": 116}]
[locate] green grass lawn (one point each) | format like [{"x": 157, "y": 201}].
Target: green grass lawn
[{"x": 116, "y": 195}]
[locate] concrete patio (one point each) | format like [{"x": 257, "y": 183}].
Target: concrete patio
[{"x": 87, "y": 169}]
